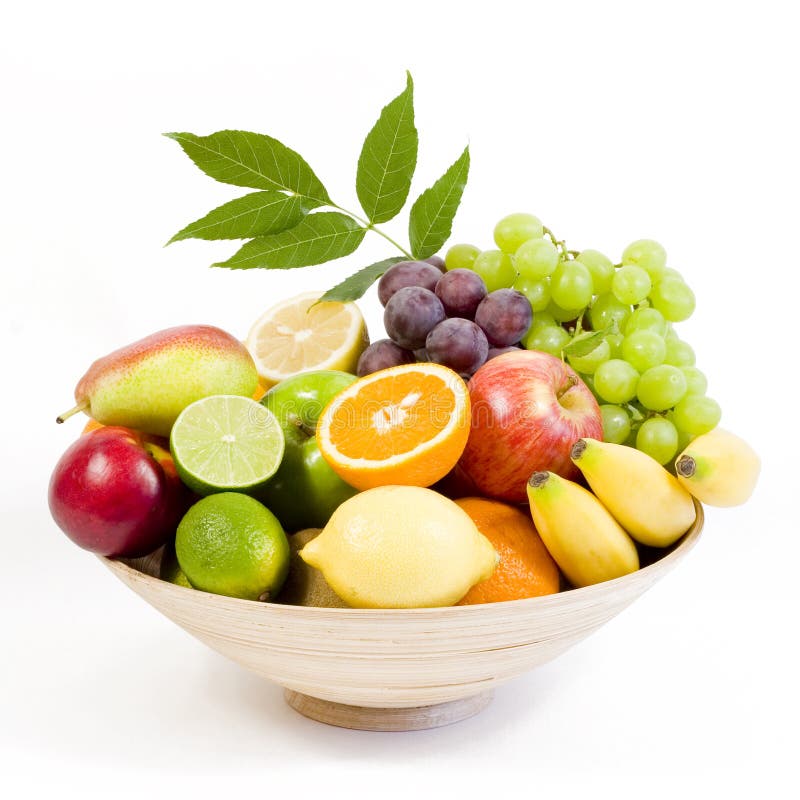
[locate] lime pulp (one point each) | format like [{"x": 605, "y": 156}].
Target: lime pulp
[{"x": 226, "y": 443}]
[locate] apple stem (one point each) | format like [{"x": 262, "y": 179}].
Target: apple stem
[
  {"x": 573, "y": 381},
  {"x": 686, "y": 466},
  {"x": 306, "y": 429},
  {"x": 82, "y": 406}
]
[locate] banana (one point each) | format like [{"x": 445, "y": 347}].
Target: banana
[
  {"x": 586, "y": 542},
  {"x": 719, "y": 468},
  {"x": 644, "y": 497}
]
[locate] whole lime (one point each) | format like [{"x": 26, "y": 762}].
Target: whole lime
[{"x": 231, "y": 544}]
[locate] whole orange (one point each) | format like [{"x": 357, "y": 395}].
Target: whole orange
[{"x": 526, "y": 569}]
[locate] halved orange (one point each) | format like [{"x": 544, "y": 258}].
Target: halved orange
[{"x": 403, "y": 425}]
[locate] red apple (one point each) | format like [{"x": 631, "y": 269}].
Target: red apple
[
  {"x": 115, "y": 492},
  {"x": 528, "y": 409}
]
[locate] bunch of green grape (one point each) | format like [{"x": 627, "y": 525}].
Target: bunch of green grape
[{"x": 613, "y": 323}]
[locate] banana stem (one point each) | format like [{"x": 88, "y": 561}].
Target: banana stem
[
  {"x": 82, "y": 406},
  {"x": 686, "y": 466},
  {"x": 538, "y": 479},
  {"x": 578, "y": 449}
]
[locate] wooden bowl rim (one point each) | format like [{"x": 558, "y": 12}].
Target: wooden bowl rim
[{"x": 684, "y": 544}]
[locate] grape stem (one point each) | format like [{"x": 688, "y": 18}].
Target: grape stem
[
  {"x": 371, "y": 227},
  {"x": 560, "y": 245}
]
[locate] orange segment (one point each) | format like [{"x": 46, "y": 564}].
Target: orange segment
[
  {"x": 405, "y": 425},
  {"x": 526, "y": 568}
]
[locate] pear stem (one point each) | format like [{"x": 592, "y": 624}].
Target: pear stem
[{"x": 82, "y": 406}]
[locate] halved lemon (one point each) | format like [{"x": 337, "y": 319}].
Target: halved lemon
[
  {"x": 404, "y": 425},
  {"x": 296, "y": 336}
]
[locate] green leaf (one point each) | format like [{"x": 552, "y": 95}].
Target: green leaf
[
  {"x": 388, "y": 159},
  {"x": 432, "y": 214},
  {"x": 253, "y": 160},
  {"x": 255, "y": 214},
  {"x": 586, "y": 344},
  {"x": 354, "y": 287},
  {"x": 318, "y": 238}
]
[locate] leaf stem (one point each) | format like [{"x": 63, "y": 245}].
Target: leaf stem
[{"x": 371, "y": 227}]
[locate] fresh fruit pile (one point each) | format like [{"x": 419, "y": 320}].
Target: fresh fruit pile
[
  {"x": 613, "y": 323},
  {"x": 405, "y": 487},
  {"x": 450, "y": 319},
  {"x": 530, "y": 424}
]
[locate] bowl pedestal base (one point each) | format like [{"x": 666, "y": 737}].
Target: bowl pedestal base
[{"x": 363, "y": 718}]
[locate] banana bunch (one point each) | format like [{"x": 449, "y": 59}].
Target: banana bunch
[{"x": 592, "y": 535}]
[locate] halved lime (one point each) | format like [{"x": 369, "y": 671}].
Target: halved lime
[{"x": 226, "y": 443}]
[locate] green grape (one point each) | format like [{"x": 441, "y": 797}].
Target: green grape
[
  {"x": 536, "y": 259},
  {"x": 616, "y": 424},
  {"x": 461, "y": 256},
  {"x": 684, "y": 439},
  {"x": 658, "y": 437},
  {"x": 607, "y": 310},
  {"x": 696, "y": 382},
  {"x": 515, "y": 229},
  {"x": 661, "y": 387},
  {"x": 645, "y": 318},
  {"x": 670, "y": 335},
  {"x": 616, "y": 381},
  {"x": 615, "y": 341},
  {"x": 600, "y": 267},
  {"x": 644, "y": 349},
  {"x": 537, "y": 292},
  {"x": 647, "y": 254},
  {"x": 496, "y": 269},
  {"x": 673, "y": 298},
  {"x": 541, "y": 319},
  {"x": 679, "y": 353},
  {"x": 696, "y": 414},
  {"x": 588, "y": 380},
  {"x": 631, "y": 284},
  {"x": 547, "y": 338},
  {"x": 669, "y": 273},
  {"x": 560, "y": 314},
  {"x": 571, "y": 285},
  {"x": 588, "y": 363}
]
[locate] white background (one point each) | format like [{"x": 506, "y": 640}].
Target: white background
[{"x": 612, "y": 121}]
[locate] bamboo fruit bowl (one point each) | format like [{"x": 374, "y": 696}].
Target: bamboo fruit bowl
[{"x": 391, "y": 670}]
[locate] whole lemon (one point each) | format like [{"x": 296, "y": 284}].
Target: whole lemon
[{"x": 401, "y": 547}]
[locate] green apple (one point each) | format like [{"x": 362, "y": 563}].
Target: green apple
[{"x": 305, "y": 491}]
